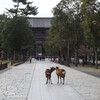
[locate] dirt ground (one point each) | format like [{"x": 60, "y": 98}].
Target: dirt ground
[{"x": 89, "y": 70}]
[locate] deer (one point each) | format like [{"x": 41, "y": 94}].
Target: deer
[
  {"x": 48, "y": 74},
  {"x": 60, "y": 74}
]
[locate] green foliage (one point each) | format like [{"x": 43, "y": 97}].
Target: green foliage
[
  {"x": 3, "y": 18},
  {"x": 22, "y": 1},
  {"x": 65, "y": 26},
  {"x": 25, "y": 10},
  {"x": 17, "y": 35},
  {"x": 90, "y": 9}
]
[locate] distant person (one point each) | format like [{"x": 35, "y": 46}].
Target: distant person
[
  {"x": 30, "y": 58},
  {"x": 54, "y": 59}
]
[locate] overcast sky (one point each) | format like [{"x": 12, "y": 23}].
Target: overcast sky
[{"x": 44, "y": 6}]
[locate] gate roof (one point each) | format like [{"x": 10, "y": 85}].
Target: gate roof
[{"x": 40, "y": 22}]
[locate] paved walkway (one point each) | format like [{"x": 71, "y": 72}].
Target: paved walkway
[
  {"x": 27, "y": 82},
  {"x": 40, "y": 91}
]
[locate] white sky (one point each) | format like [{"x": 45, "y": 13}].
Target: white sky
[{"x": 44, "y": 6}]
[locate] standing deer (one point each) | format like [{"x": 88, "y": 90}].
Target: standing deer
[
  {"x": 48, "y": 74},
  {"x": 60, "y": 73}
]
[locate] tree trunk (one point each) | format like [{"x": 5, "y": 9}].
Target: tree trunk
[
  {"x": 83, "y": 61},
  {"x": 61, "y": 53},
  {"x": 96, "y": 59},
  {"x": 17, "y": 8},
  {"x": 85, "y": 58},
  {"x": 21, "y": 56},
  {"x": 14, "y": 56},
  {"x": 93, "y": 60},
  {"x": 68, "y": 55},
  {"x": 76, "y": 57}
]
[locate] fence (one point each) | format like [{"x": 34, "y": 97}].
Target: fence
[{"x": 3, "y": 66}]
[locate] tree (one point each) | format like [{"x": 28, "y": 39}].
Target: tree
[
  {"x": 91, "y": 11},
  {"x": 57, "y": 30},
  {"x": 83, "y": 52},
  {"x": 17, "y": 36},
  {"x": 3, "y": 19},
  {"x": 66, "y": 32},
  {"x": 25, "y": 9}
]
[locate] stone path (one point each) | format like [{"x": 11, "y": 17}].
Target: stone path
[
  {"x": 27, "y": 82},
  {"x": 15, "y": 82},
  {"x": 40, "y": 91}
]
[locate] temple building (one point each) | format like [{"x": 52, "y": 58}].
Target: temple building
[{"x": 40, "y": 26}]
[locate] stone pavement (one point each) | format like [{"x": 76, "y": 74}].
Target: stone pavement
[
  {"x": 27, "y": 82},
  {"x": 40, "y": 91},
  {"x": 15, "y": 82}
]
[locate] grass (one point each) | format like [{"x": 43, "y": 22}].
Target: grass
[{"x": 10, "y": 62}]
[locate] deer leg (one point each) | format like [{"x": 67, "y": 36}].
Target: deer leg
[
  {"x": 50, "y": 80},
  {"x": 63, "y": 80},
  {"x": 47, "y": 80},
  {"x": 58, "y": 79}
]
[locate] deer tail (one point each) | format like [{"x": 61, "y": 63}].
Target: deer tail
[{"x": 64, "y": 72}]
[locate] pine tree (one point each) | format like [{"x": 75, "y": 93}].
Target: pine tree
[{"x": 22, "y": 8}]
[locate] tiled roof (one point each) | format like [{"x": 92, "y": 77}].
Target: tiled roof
[{"x": 38, "y": 22}]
